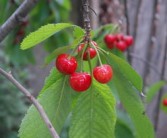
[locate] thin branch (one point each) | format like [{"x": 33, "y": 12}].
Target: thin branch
[
  {"x": 16, "y": 17},
  {"x": 86, "y": 18},
  {"x": 33, "y": 100}
]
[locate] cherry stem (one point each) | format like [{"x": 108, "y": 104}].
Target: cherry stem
[
  {"x": 103, "y": 50},
  {"x": 90, "y": 65},
  {"x": 82, "y": 55},
  {"x": 75, "y": 49},
  {"x": 98, "y": 55}
]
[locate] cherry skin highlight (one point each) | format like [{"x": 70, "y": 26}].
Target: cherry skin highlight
[
  {"x": 103, "y": 74},
  {"x": 165, "y": 102},
  {"x": 66, "y": 64},
  {"x": 80, "y": 81}
]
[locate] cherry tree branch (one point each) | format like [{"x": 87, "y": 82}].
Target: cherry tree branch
[
  {"x": 16, "y": 17},
  {"x": 86, "y": 19},
  {"x": 33, "y": 100}
]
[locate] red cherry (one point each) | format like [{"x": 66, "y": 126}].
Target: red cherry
[
  {"x": 119, "y": 37},
  {"x": 89, "y": 50},
  {"x": 80, "y": 81},
  {"x": 121, "y": 45},
  {"x": 103, "y": 74},
  {"x": 109, "y": 39},
  {"x": 128, "y": 40},
  {"x": 165, "y": 102},
  {"x": 111, "y": 46},
  {"x": 66, "y": 64}
]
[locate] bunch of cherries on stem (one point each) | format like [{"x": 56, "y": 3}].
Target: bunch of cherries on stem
[
  {"x": 81, "y": 81},
  {"x": 119, "y": 41}
]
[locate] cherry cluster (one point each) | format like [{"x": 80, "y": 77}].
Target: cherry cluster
[
  {"x": 119, "y": 41},
  {"x": 81, "y": 81}
]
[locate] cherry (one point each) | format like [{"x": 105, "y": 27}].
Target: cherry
[
  {"x": 103, "y": 74},
  {"x": 111, "y": 46},
  {"x": 128, "y": 40},
  {"x": 88, "y": 51},
  {"x": 121, "y": 45},
  {"x": 66, "y": 64},
  {"x": 109, "y": 39},
  {"x": 119, "y": 37},
  {"x": 165, "y": 102},
  {"x": 80, "y": 81}
]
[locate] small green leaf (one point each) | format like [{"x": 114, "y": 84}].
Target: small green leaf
[
  {"x": 102, "y": 31},
  {"x": 60, "y": 50},
  {"x": 43, "y": 33},
  {"x": 153, "y": 90},
  {"x": 94, "y": 115},
  {"x": 51, "y": 79},
  {"x": 127, "y": 71},
  {"x": 78, "y": 32},
  {"x": 56, "y": 101}
]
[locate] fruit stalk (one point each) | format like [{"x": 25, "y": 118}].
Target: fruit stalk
[{"x": 86, "y": 19}]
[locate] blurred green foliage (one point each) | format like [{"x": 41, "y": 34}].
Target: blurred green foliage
[{"x": 12, "y": 103}]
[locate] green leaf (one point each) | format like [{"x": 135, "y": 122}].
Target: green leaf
[
  {"x": 94, "y": 115},
  {"x": 127, "y": 71},
  {"x": 99, "y": 33},
  {"x": 122, "y": 130},
  {"x": 51, "y": 79},
  {"x": 153, "y": 90},
  {"x": 56, "y": 101},
  {"x": 78, "y": 32},
  {"x": 60, "y": 50},
  {"x": 133, "y": 105},
  {"x": 43, "y": 33}
]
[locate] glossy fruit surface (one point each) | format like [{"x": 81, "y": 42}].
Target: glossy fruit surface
[
  {"x": 165, "y": 102},
  {"x": 128, "y": 40},
  {"x": 119, "y": 37},
  {"x": 66, "y": 64},
  {"x": 80, "y": 81},
  {"x": 121, "y": 45},
  {"x": 89, "y": 50},
  {"x": 109, "y": 39},
  {"x": 103, "y": 74}
]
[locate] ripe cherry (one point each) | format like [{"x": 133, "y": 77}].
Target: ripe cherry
[
  {"x": 89, "y": 50},
  {"x": 111, "y": 46},
  {"x": 119, "y": 37},
  {"x": 121, "y": 45},
  {"x": 80, "y": 81},
  {"x": 109, "y": 39},
  {"x": 128, "y": 40},
  {"x": 165, "y": 102},
  {"x": 103, "y": 74},
  {"x": 66, "y": 64}
]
